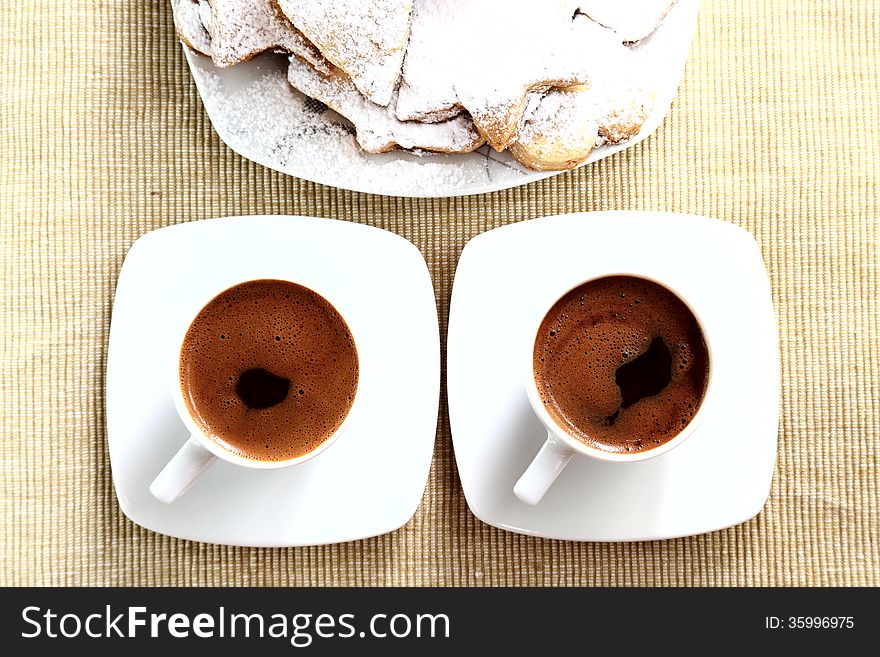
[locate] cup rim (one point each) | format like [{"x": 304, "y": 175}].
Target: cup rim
[
  {"x": 198, "y": 434},
  {"x": 560, "y": 433}
]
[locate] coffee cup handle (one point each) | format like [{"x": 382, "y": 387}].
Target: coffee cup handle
[
  {"x": 543, "y": 471},
  {"x": 181, "y": 472}
]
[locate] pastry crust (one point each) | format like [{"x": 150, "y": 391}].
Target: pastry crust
[
  {"x": 622, "y": 123},
  {"x": 377, "y": 129},
  {"x": 562, "y": 127},
  {"x": 190, "y": 26},
  {"x": 366, "y": 39},
  {"x": 488, "y": 57},
  {"x": 561, "y": 131},
  {"x": 242, "y": 29}
]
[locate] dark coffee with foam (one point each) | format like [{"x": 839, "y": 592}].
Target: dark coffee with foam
[
  {"x": 621, "y": 363},
  {"x": 269, "y": 370}
]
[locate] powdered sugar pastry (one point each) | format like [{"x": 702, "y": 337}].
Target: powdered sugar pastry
[{"x": 364, "y": 38}]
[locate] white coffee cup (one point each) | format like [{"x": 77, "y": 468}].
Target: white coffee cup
[
  {"x": 561, "y": 445},
  {"x": 200, "y": 451}
]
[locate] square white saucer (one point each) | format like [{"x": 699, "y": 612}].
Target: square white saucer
[
  {"x": 372, "y": 479},
  {"x": 719, "y": 477}
]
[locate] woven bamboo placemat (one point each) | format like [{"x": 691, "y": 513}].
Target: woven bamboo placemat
[{"x": 103, "y": 138}]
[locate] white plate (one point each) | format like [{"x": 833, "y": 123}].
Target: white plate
[
  {"x": 372, "y": 479},
  {"x": 258, "y": 115},
  {"x": 718, "y": 478}
]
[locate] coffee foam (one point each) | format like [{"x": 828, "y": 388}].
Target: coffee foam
[
  {"x": 594, "y": 330},
  {"x": 289, "y": 331}
]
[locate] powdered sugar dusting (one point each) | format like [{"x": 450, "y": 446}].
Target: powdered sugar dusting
[
  {"x": 632, "y": 20},
  {"x": 365, "y": 38},
  {"x": 561, "y": 127},
  {"x": 427, "y": 85},
  {"x": 190, "y": 28},
  {"x": 377, "y": 129},
  {"x": 563, "y": 113},
  {"x": 241, "y": 29},
  {"x": 205, "y": 15},
  {"x": 560, "y": 132},
  {"x": 623, "y": 121},
  {"x": 488, "y": 55}
]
